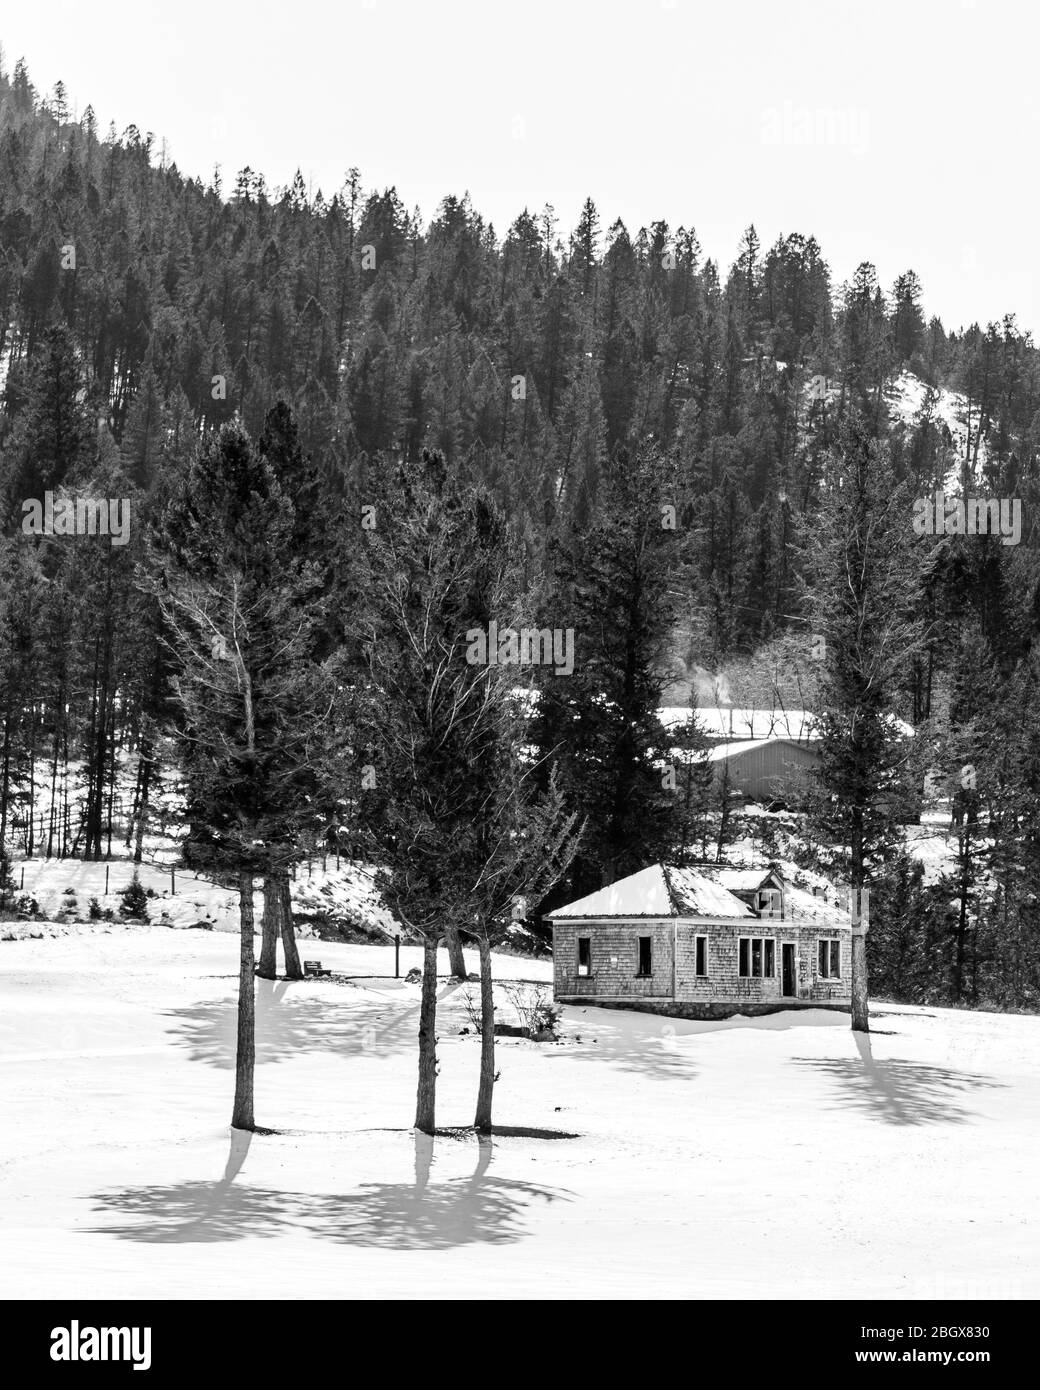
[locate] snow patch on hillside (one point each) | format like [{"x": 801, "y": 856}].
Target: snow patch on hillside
[
  {"x": 345, "y": 897},
  {"x": 911, "y": 401}
]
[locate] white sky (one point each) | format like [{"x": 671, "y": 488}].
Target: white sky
[{"x": 903, "y": 132}]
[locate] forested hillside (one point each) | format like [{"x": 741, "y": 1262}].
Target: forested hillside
[{"x": 706, "y": 473}]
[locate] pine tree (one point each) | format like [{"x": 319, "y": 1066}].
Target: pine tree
[
  {"x": 54, "y": 436},
  {"x": 134, "y": 900},
  {"x": 907, "y": 318},
  {"x": 242, "y": 608},
  {"x": 448, "y": 818},
  {"x": 613, "y": 590},
  {"x": 857, "y": 589}
]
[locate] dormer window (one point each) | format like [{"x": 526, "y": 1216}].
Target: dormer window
[{"x": 770, "y": 902}]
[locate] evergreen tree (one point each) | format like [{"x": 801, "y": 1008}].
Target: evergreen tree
[
  {"x": 857, "y": 589},
  {"x": 613, "y": 592},
  {"x": 134, "y": 900},
  {"x": 450, "y": 820},
  {"x": 242, "y": 608}
]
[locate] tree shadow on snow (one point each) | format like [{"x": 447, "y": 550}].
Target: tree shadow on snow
[
  {"x": 408, "y": 1216},
  {"x": 289, "y": 1022},
  {"x": 654, "y": 1050},
  {"x": 900, "y": 1092}
]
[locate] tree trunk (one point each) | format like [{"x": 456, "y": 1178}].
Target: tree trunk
[
  {"x": 293, "y": 968},
  {"x": 486, "y": 1088},
  {"x": 245, "y": 1054},
  {"x": 145, "y": 765},
  {"x": 5, "y": 779},
  {"x": 456, "y": 959},
  {"x": 860, "y": 1007},
  {"x": 963, "y": 887},
  {"x": 268, "y": 968},
  {"x": 425, "y": 1100}
]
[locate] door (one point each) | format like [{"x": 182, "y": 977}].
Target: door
[{"x": 787, "y": 970}]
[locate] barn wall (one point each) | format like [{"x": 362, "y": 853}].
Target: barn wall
[{"x": 757, "y": 771}]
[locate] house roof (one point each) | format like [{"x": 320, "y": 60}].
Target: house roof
[
  {"x": 723, "y": 751},
  {"x": 802, "y": 906},
  {"x": 659, "y": 891},
  {"x": 742, "y": 880},
  {"x": 709, "y": 891}
]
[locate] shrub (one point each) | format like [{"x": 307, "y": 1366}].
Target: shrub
[
  {"x": 135, "y": 901},
  {"x": 95, "y": 910},
  {"x": 539, "y": 1015},
  {"x": 544, "y": 1020},
  {"x": 471, "y": 1004}
]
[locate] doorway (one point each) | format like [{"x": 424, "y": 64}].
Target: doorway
[{"x": 787, "y": 970}]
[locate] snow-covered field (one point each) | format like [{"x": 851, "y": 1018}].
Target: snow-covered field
[{"x": 738, "y": 1159}]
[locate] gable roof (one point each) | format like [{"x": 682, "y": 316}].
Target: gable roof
[
  {"x": 664, "y": 891},
  {"x": 659, "y": 891},
  {"x": 744, "y": 880},
  {"x": 722, "y": 752},
  {"x": 802, "y": 906}
]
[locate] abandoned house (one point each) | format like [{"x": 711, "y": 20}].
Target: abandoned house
[{"x": 703, "y": 942}]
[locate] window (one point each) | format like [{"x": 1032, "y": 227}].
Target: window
[
  {"x": 584, "y": 955},
  {"x": 700, "y": 955},
  {"x": 770, "y": 900},
  {"x": 645, "y": 956},
  {"x": 757, "y": 957},
  {"x": 830, "y": 960}
]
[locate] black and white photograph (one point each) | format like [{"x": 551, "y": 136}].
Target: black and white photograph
[{"x": 519, "y": 671}]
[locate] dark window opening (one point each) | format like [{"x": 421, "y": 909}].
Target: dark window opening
[
  {"x": 645, "y": 960},
  {"x": 830, "y": 960},
  {"x": 701, "y": 954},
  {"x": 757, "y": 957},
  {"x": 584, "y": 955}
]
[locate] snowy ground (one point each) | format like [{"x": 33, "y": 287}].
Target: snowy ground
[
  {"x": 741, "y": 1159},
  {"x": 183, "y": 898}
]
